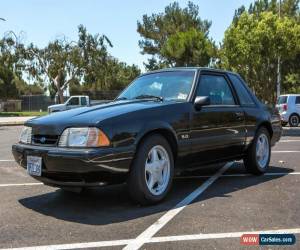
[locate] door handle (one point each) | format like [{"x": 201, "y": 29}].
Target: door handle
[{"x": 239, "y": 115}]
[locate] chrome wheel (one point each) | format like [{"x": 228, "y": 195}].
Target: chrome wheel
[
  {"x": 262, "y": 150},
  {"x": 157, "y": 170},
  {"x": 294, "y": 120}
]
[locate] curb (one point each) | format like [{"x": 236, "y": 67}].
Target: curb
[{"x": 3, "y": 124}]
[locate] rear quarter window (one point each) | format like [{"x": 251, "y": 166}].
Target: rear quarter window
[
  {"x": 297, "y": 100},
  {"x": 242, "y": 92}
]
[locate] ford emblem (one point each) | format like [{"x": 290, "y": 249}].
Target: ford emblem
[{"x": 43, "y": 140}]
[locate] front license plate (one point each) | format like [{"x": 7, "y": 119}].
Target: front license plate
[{"x": 34, "y": 165}]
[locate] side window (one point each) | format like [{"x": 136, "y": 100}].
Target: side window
[
  {"x": 83, "y": 101},
  {"x": 74, "y": 101},
  {"x": 244, "y": 97},
  {"x": 297, "y": 100},
  {"x": 216, "y": 88}
]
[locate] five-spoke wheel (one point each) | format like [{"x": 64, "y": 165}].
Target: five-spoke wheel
[
  {"x": 157, "y": 170},
  {"x": 151, "y": 173},
  {"x": 258, "y": 154}
]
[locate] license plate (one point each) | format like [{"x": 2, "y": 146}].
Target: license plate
[{"x": 34, "y": 165}]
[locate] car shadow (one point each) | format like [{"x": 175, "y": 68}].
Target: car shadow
[{"x": 111, "y": 204}]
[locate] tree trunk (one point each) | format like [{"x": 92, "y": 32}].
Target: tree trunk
[{"x": 59, "y": 90}]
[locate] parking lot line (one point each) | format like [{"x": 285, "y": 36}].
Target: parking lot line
[
  {"x": 162, "y": 221},
  {"x": 21, "y": 184},
  {"x": 219, "y": 235},
  {"x": 177, "y": 177},
  {"x": 7, "y": 160},
  {"x": 161, "y": 239},
  {"x": 285, "y": 151},
  {"x": 289, "y": 140},
  {"x": 237, "y": 175}
]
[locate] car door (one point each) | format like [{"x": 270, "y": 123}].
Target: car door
[{"x": 218, "y": 129}]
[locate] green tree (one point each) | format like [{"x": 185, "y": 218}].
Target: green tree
[
  {"x": 169, "y": 37},
  {"x": 10, "y": 65},
  {"x": 253, "y": 43},
  {"x": 81, "y": 65},
  {"x": 54, "y": 65}
]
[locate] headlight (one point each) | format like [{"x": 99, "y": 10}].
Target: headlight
[
  {"x": 83, "y": 137},
  {"x": 25, "y": 136}
]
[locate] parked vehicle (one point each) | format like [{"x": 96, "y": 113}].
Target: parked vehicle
[
  {"x": 165, "y": 122},
  {"x": 289, "y": 109},
  {"x": 71, "y": 103}
]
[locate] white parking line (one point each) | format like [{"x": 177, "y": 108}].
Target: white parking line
[
  {"x": 21, "y": 184},
  {"x": 7, "y": 160},
  {"x": 156, "y": 240},
  {"x": 288, "y": 140},
  {"x": 177, "y": 177},
  {"x": 162, "y": 221},
  {"x": 220, "y": 235},
  {"x": 286, "y": 151},
  {"x": 237, "y": 175}
]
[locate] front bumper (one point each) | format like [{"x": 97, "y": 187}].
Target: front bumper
[{"x": 77, "y": 167}]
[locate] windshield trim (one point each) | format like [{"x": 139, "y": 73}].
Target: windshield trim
[{"x": 162, "y": 71}]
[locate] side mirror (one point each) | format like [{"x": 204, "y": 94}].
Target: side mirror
[{"x": 201, "y": 101}]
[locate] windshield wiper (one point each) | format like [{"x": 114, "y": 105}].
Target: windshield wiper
[{"x": 148, "y": 97}]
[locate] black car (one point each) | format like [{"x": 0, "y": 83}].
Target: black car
[{"x": 163, "y": 123}]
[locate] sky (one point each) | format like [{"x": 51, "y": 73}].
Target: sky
[{"x": 44, "y": 20}]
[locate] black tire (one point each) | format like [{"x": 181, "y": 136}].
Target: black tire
[
  {"x": 250, "y": 160},
  {"x": 137, "y": 186},
  {"x": 294, "y": 120}
]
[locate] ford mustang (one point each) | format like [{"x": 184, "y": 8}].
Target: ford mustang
[{"x": 165, "y": 122}]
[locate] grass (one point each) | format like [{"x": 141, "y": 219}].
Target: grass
[{"x": 31, "y": 113}]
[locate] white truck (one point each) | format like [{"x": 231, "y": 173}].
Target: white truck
[{"x": 75, "y": 101}]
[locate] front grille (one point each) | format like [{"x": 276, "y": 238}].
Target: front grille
[{"x": 47, "y": 140}]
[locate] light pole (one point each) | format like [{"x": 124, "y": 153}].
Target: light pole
[{"x": 279, "y": 61}]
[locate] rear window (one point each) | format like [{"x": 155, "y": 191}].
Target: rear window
[
  {"x": 282, "y": 100},
  {"x": 244, "y": 96}
]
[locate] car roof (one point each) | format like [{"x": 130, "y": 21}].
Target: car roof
[{"x": 189, "y": 68}]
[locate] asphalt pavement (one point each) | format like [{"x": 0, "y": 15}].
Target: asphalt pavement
[{"x": 207, "y": 209}]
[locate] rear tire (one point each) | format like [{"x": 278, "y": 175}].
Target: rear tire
[
  {"x": 258, "y": 154},
  {"x": 294, "y": 120},
  {"x": 151, "y": 173}
]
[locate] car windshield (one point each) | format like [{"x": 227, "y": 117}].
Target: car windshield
[
  {"x": 282, "y": 100},
  {"x": 173, "y": 85}
]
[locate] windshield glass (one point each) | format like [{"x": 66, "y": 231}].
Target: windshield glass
[
  {"x": 173, "y": 85},
  {"x": 282, "y": 100}
]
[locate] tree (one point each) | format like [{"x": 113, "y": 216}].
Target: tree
[
  {"x": 10, "y": 64},
  {"x": 81, "y": 65},
  {"x": 169, "y": 37},
  {"x": 253, "y": 43},
  {"x": 53, "y": 65}
]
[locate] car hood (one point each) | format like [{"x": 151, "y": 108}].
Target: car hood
[{"x": 89, "y": 116}]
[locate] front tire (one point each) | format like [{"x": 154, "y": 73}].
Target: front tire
[
  {"x": 259, "y": 153},
  {"x": 151, "y": 173}
]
